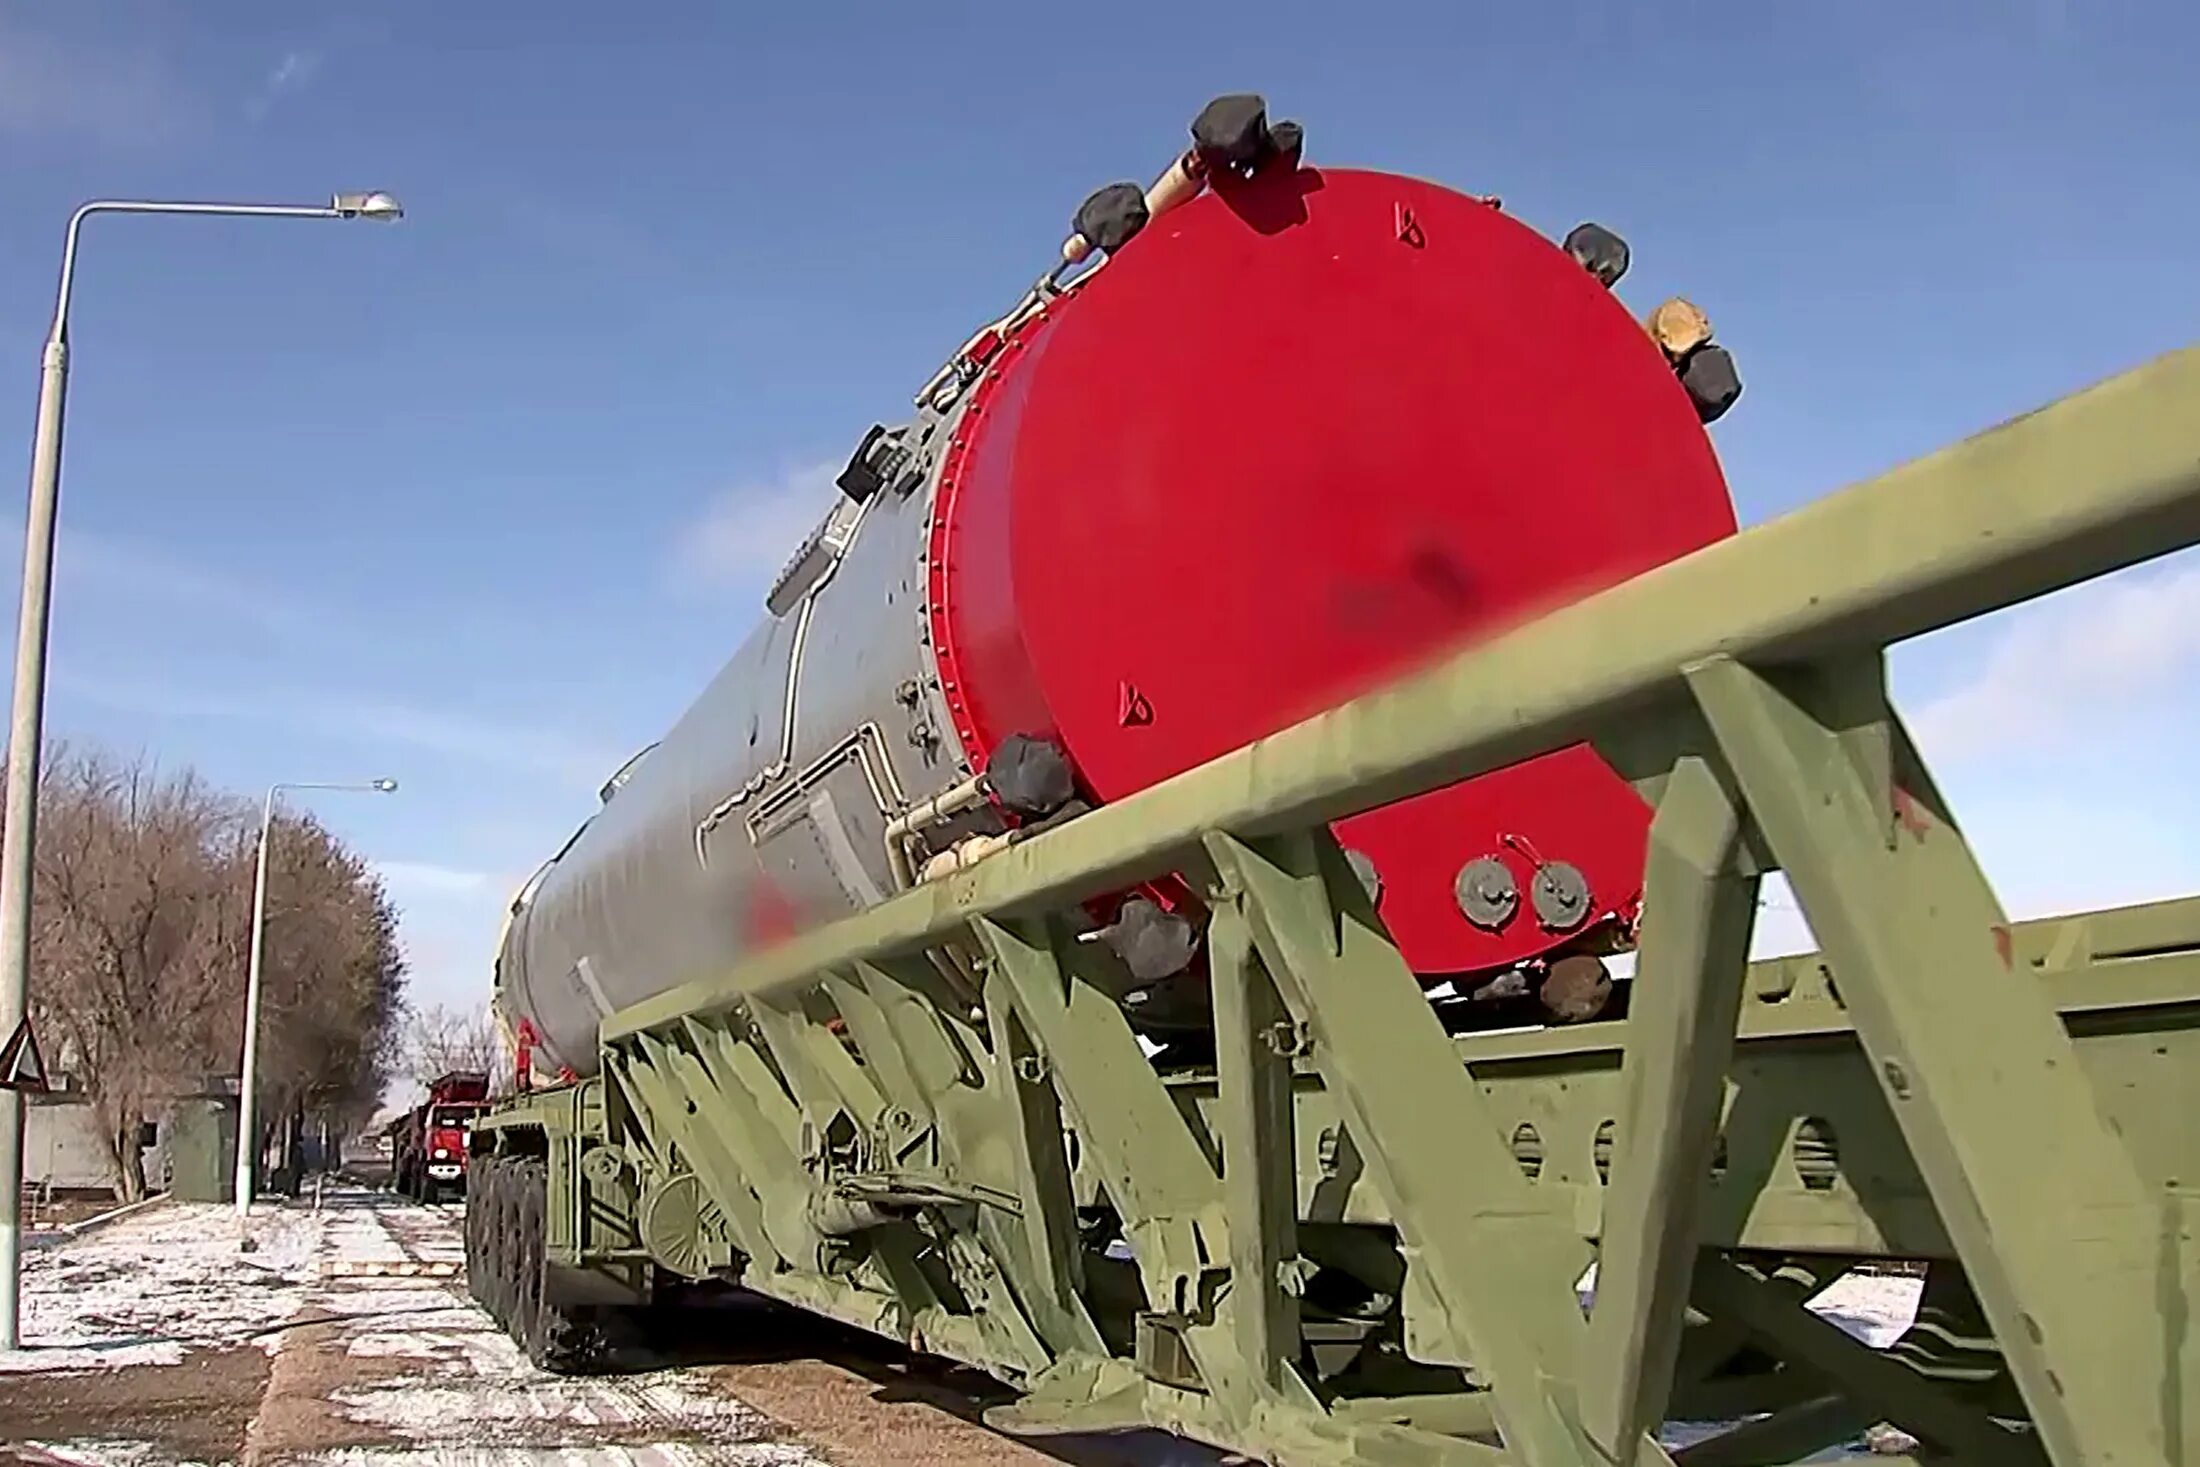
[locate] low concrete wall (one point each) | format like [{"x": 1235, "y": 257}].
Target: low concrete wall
[
  {"x": 62, "y": 1146},
  {"x": 50, "y": 1237}
]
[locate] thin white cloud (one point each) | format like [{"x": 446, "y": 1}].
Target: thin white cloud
[
  {"x": 56, "y": 86},
  {"x": 292, "y": 74},
  {"x": 450, "y": 950},
  {"x": 293, "y": 71},
  {"x": 466, "y": 736},
  {"x": 513, "y": 747},
  {"x": 113, "y": 565},
  {"x": 412, "y": 880},
  {"x": 747, "y": 534},
  {"x": 2090, "y": 659}
]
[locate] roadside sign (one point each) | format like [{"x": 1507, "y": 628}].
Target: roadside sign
[{"x": 22, "y": 1067}]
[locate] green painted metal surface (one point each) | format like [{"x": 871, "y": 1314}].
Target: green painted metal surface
[
  {"x": 1353, "y": 1236},
  {"x": 202, "y": 1149}
]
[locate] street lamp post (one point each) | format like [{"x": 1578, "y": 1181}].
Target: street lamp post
[
  {"x": 27, "y": 717},
  {"x": 248, "y": 1075}
]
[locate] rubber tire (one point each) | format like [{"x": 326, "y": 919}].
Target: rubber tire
[
  {"x": 512, "y": 1252},
  {"x": 562, "y": 1341},
  {"x": 476, "y": 1269},
  {"x": 481, "y": 1211},
  {"x": 496, "y": 1250},
  {"x": 527, "y": 1240}
]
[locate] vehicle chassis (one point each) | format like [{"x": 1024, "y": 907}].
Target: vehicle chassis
[{"x": 1355, "y": 1236}]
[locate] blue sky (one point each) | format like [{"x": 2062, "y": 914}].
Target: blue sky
[{"x": 479, "y": 501}]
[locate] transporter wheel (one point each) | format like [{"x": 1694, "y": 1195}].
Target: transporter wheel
[
  {"x": 480, "y": 1264},
  {"x": 471, "y": 1229},
  {"x": 527, "y": 1220},
  {"x": 511, "y": 1252},
  {"x": 561, "y": 1340},
  {"x": 489, "y": 1243},
  {"x": 503, "y": 1248}
]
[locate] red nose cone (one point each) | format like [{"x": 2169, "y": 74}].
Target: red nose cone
[{"x": 1296, "y": 439}]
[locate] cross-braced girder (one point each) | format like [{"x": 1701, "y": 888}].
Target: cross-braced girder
[{"x": 1356, "y": 1236}]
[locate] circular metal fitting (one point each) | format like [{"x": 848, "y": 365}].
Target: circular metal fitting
[
  {"x": 1486, "y": 892},
  {"x": 1560, "y": 895},
  {"x": 681, "y": 1226},
  {"x": 602, "y": 1165}
]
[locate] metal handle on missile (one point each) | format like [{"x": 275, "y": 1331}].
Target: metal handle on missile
[{"x": 1179, "y": 183}]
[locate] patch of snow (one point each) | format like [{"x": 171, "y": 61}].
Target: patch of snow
[
  {"x": 150, "y": 1288},
  {"x": 744, "y": 1454},
  {"x": 452, "y": 1387},
  {"x": 1874, "y": 1307},
  {"x": 108, "y": 1454},
  {"x": 432, "y": 1410},
  {"x": 394, "y": 1345}
]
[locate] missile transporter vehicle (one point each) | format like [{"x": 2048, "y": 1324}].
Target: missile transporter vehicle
[{"x": 1220, "y": 892}]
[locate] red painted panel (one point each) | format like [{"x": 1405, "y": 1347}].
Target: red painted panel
[{"x": 1291, "y": 441}]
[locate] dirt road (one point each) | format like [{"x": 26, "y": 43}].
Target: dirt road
[{"x": 346, "y": 1336}]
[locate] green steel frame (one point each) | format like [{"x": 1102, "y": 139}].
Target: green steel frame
[{"x": 1356, "y": 1237}]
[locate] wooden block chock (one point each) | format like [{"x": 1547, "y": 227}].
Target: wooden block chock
[{"x": 1678, "y": 327}]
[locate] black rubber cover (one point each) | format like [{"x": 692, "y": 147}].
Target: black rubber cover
[
  {"x": 1712, "y": 381},
  {"x": 1601, "y": 252},
  {"x": 1232, "y": 129},
  {"x": 1112, "y": 216},
  {"x": 860, "y": 480},
  {"x": 1152, "y": 943},
  {"x": 1030, "y": 777}
]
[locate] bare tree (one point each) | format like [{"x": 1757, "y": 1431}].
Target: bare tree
[
  {"x": 131, "y": 931},
  {"x": 331, "y": 979},
  {"x": 439, "y": 1040},
  {"x": 139, "y": 944}
]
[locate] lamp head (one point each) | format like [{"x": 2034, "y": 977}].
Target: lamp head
[{"x": 377, "y": 205}]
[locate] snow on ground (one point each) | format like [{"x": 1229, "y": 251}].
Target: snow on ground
[
  {"x": 379, "y": 1354},
  {"x": 671, "y": 1454},
  {"x": 148, "y": 1288},
  {"x": 1874, "y": 1307},
  {"x": 428, "y": 1377},
  {"x": 101, "y": 1454},
  {"x": 397, "y": 1365}
]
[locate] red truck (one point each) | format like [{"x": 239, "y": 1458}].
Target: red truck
[{"x": 428, "y": 1142}]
